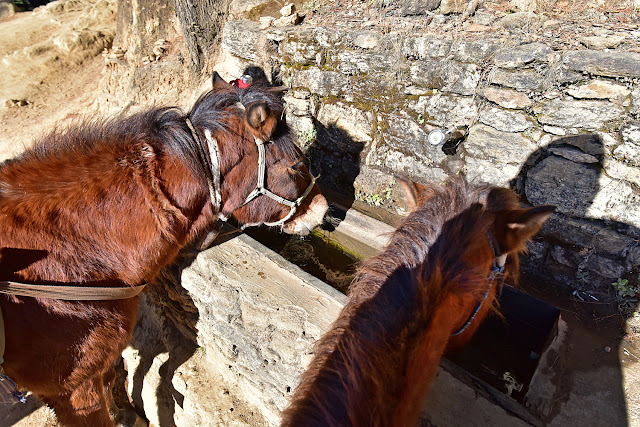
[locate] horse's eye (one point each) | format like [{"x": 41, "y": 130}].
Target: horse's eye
[{"x": 296, "y": 168}]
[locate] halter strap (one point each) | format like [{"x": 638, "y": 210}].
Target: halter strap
[
  {"x": 261, "y": 190},
  {"x": 70, "y": 293},
  {"x": 211, "y": 165},
  {"x": 497, "y": 269}
]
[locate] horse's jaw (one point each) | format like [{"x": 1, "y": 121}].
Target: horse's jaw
[{"x": 310, "y": 219}]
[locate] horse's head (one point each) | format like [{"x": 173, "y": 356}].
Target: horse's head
[
  {"x": 482, "y": 230},
  {"x": 263, "y": 178}
]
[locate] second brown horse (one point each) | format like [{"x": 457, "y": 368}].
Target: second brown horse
[{"x": 429, "y": 290}]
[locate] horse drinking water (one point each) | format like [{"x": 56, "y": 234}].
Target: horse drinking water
[
  {"x": 428, "y": 291},
  {"x": 105, "y": 205}
]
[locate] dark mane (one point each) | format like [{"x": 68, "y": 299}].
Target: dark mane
[
  {"x": 213, "y": 108},
  {"x": 418, "y": 234},
  {"x": 164, "y": 128}
]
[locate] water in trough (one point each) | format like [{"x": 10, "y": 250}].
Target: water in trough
[{"x": 522, "y": 336}]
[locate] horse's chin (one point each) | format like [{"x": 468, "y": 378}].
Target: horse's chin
[{"x": 310, "y": 219}]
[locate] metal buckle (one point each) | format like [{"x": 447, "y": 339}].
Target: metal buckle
[{"x": 9, "y": 393}]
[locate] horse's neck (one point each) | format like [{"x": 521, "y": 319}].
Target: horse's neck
[
  {"x": 376, "y": 363},
  {"x": 163, "y": 204},
  {"x": 424, "y": 358}
]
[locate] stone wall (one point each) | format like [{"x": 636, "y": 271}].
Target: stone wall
[
  {"x": 223, "y": 336},
  {"x": 556, "y": 121}
]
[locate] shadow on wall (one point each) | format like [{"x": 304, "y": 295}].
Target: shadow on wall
[
  {"x": 336, "y": 157},
  {"x": 585, "y": 256},
  {"x": 569, "y": 174}
]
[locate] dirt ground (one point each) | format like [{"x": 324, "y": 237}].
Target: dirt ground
[{"x": 50, "y": 68}]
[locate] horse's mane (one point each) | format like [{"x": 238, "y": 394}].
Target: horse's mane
[
  {"x": 424, "y": 231},
  {"x": 164, "y": 128},
  {"x": 391, "y": 298}
]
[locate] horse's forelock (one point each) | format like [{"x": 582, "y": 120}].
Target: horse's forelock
[{"x": 216, "y": 110}]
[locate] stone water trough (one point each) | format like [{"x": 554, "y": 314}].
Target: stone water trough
[{"x": 236, "y": 324}]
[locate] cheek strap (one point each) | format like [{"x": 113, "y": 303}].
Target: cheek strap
[{"x": 261, "y": 190}]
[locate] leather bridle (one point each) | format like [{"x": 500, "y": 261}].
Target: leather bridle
[
  {"x": 262, "y": 190},
  {"x": 497, "y": 269},
  {"x": 212, "y": 166}
]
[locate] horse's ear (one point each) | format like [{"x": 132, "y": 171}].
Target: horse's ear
[
  {"x": 260, "y": 120},
  {"x": 218, "y": 82},
  {"x": 515, "y": 227},
  {"x": 415, "y": 194}
]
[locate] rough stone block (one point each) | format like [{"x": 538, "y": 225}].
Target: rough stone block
[
  {"x": 268, "y": 324},
  {"x": 523, "y": 5},
  {"x": 521, "y": 21},
  {"x": 507, "y": 98},
  {"x": 366, "y": 39},
  {"x": 604, "y": 63},
  {"x": 243, "y": 39},
  {"x": 490, "y": 171},
  {"x": 629, "y": 150},
  {"x": 453, "y": 6},
  {"x": 451, "y": 110},
  {"x": 416, "y": 7},
  {"x": 285, "y": 21},
  {"x": 405, "y": 134},
  {"x": 474, "y": 51},
  {"x": 448, "y": 76},
  {"x": 528, "y": 80},
  {"x": 589, "y": 115},
  {"x": 425, "y": 47},
  {"x": 484, "y": 142},
  {"x": 299, "y": 48},
  {"x": 620, "y": 170},
  {"x": 324, "y": 83},
  {"x": 352, "y": 63},
  {"x": 298, "y": 107},
  {"x": 591, "y": 235},
  {"x": 602, "y": 42},
  {"x": 505, "y": 121},
  {"x": 573, "y": 154},
  {"x": 522, "y": 55},
  {"x": 356, "y": 123},
  {"x": 7, "y": 10},
  {"x": 288, "y": 10},
  {"x": 600, "y": 89}
]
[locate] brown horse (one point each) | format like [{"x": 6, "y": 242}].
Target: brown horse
[
  {"x": 110, "y": 204},
  {"x": 429, "y": 290}
]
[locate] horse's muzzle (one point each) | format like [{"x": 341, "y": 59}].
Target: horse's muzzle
[{"x": 310, "y": 219}]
